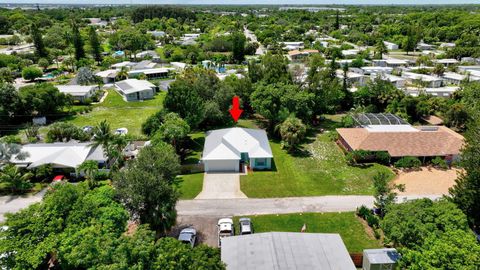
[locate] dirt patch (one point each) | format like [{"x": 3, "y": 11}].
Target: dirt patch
[
  {"x": 206, "y": 228},
  {"x": 427, "y": 181}
]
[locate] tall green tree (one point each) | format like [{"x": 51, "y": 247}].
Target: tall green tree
[
  {"x": 42, "y": 99},
  {"x": 466, "y": 191},
  {"x": 266, "y": 100},
  {"x": 238, "y": 46},
  {"x": 380, "y": 49},
  {"x": 95, "y": 45},
  {"x": 173, "y": 130},
  {"x": 409, "y": 224},
  {"x": 384, "y": 193},
  {"x": 146, "y": 186},
  {"x": 78, "y": 43},
  {"x": 455, "y": 249},
  {"x": 10, "y": 102},
  {"x": 411, "y": 39},
  {"x": 40, "y": 49}
]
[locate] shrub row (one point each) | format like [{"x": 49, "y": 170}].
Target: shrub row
[{"x": 363, "y": 156}]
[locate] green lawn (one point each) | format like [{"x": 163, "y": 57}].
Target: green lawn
[
  {"x": 120, "y": 113},
  {"x": 320, "y": 169},
  {"x": 190, "y": 185},
  {"x": 346, "y": 224}
]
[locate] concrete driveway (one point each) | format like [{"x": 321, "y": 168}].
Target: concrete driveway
[
  {"x": 221, "y": 186},
  {"x": 12, "y": 204}
]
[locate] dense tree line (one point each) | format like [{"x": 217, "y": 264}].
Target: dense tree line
[
  {"x": 75, "y": 227},
  {"x": 431, "y": 235},
  {"x": 151, "y": 12}
]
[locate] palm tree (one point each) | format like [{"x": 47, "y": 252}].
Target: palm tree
[
  {"x": 102, "y": 136},
  {"x": 9, "y": 150},
  {"x": 90, "y": 169},
  {"x": 122, "y": 74},
  {"x": 15, "y": 179},
  {"x": 115, "y": 150},
  {"x": 292, "y": 131}
]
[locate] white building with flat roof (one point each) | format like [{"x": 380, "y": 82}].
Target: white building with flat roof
[
  {"x": 135, "y": 90},
  {"x": 78, "y": 92},
  {"x": 390, "y": 45},
  {"x": 430, "y": 81}
]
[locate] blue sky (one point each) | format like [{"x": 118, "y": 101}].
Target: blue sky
[{"x": 273, "y": 2}]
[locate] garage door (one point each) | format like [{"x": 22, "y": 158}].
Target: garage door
[{"x": 221, "y": 165}]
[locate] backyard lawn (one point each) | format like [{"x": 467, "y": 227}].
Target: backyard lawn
[
  {"x": 120, "y": 113},
  {"x": 346, "y": 224},
  {"x": 190, "y": 185},
  {"x": 320, "y": 169}
]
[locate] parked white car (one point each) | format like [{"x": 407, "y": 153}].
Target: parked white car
[
  {"x": 121, "y": 131},
  {"x": 225, "y": 229}
]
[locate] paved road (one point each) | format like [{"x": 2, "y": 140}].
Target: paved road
[
  {"x": 221, "y": 186},
  {"x": 249, "y": 34},
  {"x": 236, "y": 207},
  {"x": 12, "y": 204}
]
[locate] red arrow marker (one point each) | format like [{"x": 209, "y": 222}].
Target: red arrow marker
[{"x": 235, "y": 111}]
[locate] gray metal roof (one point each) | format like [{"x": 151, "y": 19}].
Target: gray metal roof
[
  {"x": 381, "y": 255},
  {"x": 286, "y": 250}
]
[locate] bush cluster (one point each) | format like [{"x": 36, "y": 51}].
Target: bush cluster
[{"x": 408, "y": 163}]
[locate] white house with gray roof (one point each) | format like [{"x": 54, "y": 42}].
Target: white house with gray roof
[
  {"x": 78, "y": 92},
  {"x": 226, "y": 149},
  {"x": 134, "y": 90}
]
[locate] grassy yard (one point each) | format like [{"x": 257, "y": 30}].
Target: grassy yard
[
  {"x": 120, "y": 113},
  {"x": 346, "y": 224},
  {"x": 320, "y": 169},
  {"x": 190, "y": 185}
]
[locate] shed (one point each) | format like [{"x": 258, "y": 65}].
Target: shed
[{"x": 380, "y": 259}]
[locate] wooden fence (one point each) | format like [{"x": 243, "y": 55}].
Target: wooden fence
[{"x": 357, "y": 259}]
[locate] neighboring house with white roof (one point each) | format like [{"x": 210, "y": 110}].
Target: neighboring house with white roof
[
  {"x": 353, "y": 79},
  {"x": 446, "y": 91},
  {"x": 294, "y": 45},
  {"x": 134, "y": 90},
  {"x": 391, "y": 62},
  {"x": 107, "y": 76},
  {"x": 446, "y": 62},
  {"x": 376, "y": 70},
  {"x": 453, "y": 78},
  {"x": 78, "y": 92},
  {"x": 126, "y": 64},
  {"x": 178, "y": 65},
  {"x": 447, "y": 45},
  {"x": 151, "y": 73},
  {"x": 157, "y": 34},
  {"x": 226, "y": 149},
  {"x": 60, "y": 155},
  {"x": 431, "y": 81},
  {"x": 350, "y": 52},
  {"x": 390, "y": 45},
  {"x": 399, "y": 82},
  {"x": 424, "y": 46}
]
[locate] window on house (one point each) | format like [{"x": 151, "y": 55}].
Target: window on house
[{"x": 261, "y": 161}]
